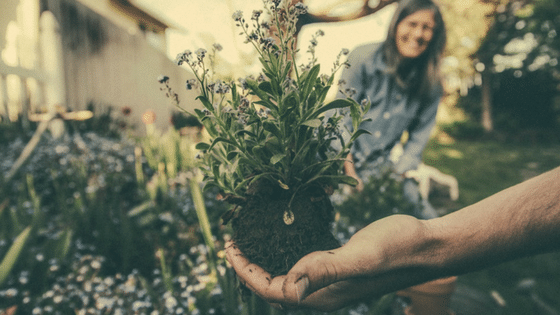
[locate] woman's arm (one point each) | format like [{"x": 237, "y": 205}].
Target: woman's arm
[
  {"x": 350, "y": 170},
  {"x": 400, "y": 251}
]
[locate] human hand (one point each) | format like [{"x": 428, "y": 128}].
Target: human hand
[
  {"x": 330, "y": 280},
  {"x": 350, "y": 170}
]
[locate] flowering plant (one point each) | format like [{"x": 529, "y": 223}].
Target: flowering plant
[{"x": 273, "y": 127}]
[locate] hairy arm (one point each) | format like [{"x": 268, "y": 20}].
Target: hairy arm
[
  {"x": 519, "y": 221},
  {"x": 400, "y": 251}
]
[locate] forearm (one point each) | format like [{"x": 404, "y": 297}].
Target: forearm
[{"x": 519, "y": 221}]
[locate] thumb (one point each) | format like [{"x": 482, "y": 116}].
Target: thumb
[{"x": 313, "y": 272}]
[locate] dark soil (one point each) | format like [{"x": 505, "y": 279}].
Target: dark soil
[{"x": 265, "y": 239}]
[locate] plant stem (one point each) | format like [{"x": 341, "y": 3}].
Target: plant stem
[
  {"x": 202, "y": 215},
  {"x": 166, "y": 274},
  {"x": 203, "y": 221}
]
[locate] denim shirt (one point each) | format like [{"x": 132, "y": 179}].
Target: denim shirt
[{"x": 392, "y": 112}]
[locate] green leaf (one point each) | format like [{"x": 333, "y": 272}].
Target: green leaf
[
  {"x": 141, "y": 208},
  {"x": 250, "y": 180},
  {"x": 216, "y": 171},
  {"x": 286, "y": 70},
  {"x": 313, "y": 123},
  {"x": 13, "y": 253},
  {"x": 277, "y": 157},
  {"x": 242, "y": 132},
  {"x": 265, "y": 63},
  {"x": 312, "y": 100},
  {"x": 260, "y": 152},
  {"x": 205, "y": 102},
  {"x": 63, "y": 244},
  {"x": 266, "y": 86},
  {"x": 265, "y": 99},
  {"x": 356, "y": 115},
  {"x": 249, "y": 162},
  {"x": 272, "y": 128},
  {"x": 208, "y": 185},
  {"x": 338, "y": 103},
  {"x": 322, "y": 93},
  {"x": 218, "y": 140},
  {"x": 359, "y": 133},
  {"x": 290, "y": 101},
  {"x": 231, "y": 155},
  {"x": 309, "y": 81},
  {"x": 199, "y": 113},
  {"x": 202, "y": 146},
  {"x": 345, "y": 179},
  {"x": 234, "y": 95},
  {"x": 267, "y": 104}
]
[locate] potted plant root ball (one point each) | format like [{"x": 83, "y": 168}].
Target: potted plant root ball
[{"x": 276, "y": 147}]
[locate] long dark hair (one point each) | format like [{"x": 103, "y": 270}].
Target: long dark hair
[{"x": 427, "y": 65}]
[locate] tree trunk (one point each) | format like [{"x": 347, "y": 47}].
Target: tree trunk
[{"x": 487, "y": 122}]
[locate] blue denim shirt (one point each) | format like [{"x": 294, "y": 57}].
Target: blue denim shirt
[{"x": 393, "y": 111}]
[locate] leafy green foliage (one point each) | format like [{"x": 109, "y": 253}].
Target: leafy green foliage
[
  {"x": 10, "y": 259},
  {"x": 384, "y": 190},
  {"x": 277, "y": 127}
]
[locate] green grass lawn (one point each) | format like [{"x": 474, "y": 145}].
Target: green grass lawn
[{"x": 483, "y": 168}]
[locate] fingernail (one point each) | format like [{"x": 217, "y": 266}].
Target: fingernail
[{"x": 301, "y": 286}]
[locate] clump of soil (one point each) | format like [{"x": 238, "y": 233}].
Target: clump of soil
[{"x": 260, "y": 231}]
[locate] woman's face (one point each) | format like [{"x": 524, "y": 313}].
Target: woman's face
[{"x": 414, "y": 33}]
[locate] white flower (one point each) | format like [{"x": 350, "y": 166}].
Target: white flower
[{"x": 238, "y": 15}]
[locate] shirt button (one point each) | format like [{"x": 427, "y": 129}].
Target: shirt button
[
  {"x": 377, "y": 134},
  {"x": 386, "y": 115}
]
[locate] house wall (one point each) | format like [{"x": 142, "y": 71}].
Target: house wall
[
  {"x": 20, "y": 78},
  {"x": 8, "y": 14},
  {"x": 106, "y": 65}
]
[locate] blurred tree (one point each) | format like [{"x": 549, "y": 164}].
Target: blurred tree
[
  {"x": 467, "y": 23},
  {"x": 522, "y": 43}
]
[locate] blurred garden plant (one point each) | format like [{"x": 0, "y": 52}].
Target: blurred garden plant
[
  {"x": 276, "y": 147},
  {"x": 82, "y": 195}
]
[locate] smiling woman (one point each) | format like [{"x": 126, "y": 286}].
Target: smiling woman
[
  {"x": 414, "y": 33},
  {"x": 400, "y": 76}
]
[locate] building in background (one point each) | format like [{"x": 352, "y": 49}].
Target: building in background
[{"x": 80, "y": 54}]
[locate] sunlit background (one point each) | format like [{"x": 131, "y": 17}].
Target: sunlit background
[
  {"x": 113, "y": 65},
  {"x": 204, "y": 22}
]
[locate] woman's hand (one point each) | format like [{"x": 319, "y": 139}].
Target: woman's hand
[{"x": 350, "y": 170}]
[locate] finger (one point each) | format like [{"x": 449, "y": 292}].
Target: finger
[
  {"x": 338, "y": 295},
  {"x": 254, "y": 277},
  {"x": 313, "y": 272}
]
